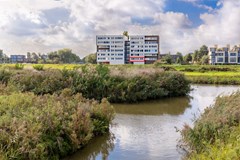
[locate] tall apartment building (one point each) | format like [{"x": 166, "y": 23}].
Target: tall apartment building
[
  {"x": 144, "y": 49},
  {"x": 224, "y": 55},
  {"x": 117, "y": 49}
]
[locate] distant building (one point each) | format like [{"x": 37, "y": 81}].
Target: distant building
[
  {"x": 118, "y": 49},
  {"x": 224, "y": 55},
  {"x": 17, "y": 58}
]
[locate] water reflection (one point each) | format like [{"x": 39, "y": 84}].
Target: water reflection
[
  {"x": 99, "y": 147},
  {"x": 173, "y": 106},
  {"x": 147, "y": 130}
]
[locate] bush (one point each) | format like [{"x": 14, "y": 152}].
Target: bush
[
  {"x": 38, "y": 67},
  {"x": 97, "y": 83},
  {"x": 5, "y": 75},
  {"x": 216, "y": 130},
  {"x": 19, "y": 66},
  {"x": 49, "y": 126}
]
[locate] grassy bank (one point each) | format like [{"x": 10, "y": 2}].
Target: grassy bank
[
  {"x": 215, "y": 134},
  {"x": 100, "y": 81},
  {"x": 49, "y": 126}
]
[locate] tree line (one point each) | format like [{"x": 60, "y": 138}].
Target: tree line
[
  {"x": 55, "y": 57},
  {"x": 199, "y": 56}
]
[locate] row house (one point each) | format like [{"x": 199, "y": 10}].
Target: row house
[{"x": 224, "y": 55}]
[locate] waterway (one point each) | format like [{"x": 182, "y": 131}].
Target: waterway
[{"x": 148, "y": 130}]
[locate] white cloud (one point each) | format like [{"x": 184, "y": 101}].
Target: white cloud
[{"x": 31, "y": 25}]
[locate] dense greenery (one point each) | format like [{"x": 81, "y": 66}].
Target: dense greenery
[
  {"x": 97, "y": 82},
  {"x": 91, "y": 58},
  {"x": 215, "y": 134},
  {"x": 63, "y": 56},
  {"x": 49, "y": 126}
]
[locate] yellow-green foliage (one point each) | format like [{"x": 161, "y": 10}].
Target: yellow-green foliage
[
  {"x": 19, "y": 66},
  {"x": 216, "y": 134},
  {"x": 49, "y": 126},
  {"x": 38, "y": 67}
]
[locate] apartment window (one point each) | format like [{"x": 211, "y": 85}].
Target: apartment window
[
  {"x": 119, "y": 58},
  {"x": 118, "y": 42},
  {"x": 101, "y": 38},
  {"x": 101, "y": 58},
  {"x": 118, "y": 50},
  {"x": 137, "y": 59},
  {"x": 219, "y": 54},
  {"x": 233, "y": 54},
  {"x": 118, "y": 37},
  {"x": 219, "y": 59},
  {"x": 233, "y": 59}
]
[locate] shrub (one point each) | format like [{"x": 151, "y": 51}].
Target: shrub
[
  {"x": 38, "y": 67},
  {"x": 49, "y": 126},
  {"x": 217, "y": 128},
  {"x": 97, "y": 83},
  {"x": 19, "y": 66},
  {"x": 5, "y": 75}
]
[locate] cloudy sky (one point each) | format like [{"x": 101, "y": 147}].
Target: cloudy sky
[{"x": 183, "y": 25}]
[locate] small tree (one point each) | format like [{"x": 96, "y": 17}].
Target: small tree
[
  {"x": 91, "y": 58},
  {"x": 180, "y": 58},
  {"x": 188, "y": 58},
  {"x": 205, "y": 59},
  {"x": 125, "y": 33},
  {"x": 167, "y": 59}
]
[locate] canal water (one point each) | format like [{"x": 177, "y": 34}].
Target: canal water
[{"x": 147, "y": 131}]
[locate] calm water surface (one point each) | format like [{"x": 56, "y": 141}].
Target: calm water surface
[{"x": 147, "y": 131}]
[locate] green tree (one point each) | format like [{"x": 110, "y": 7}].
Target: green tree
[
  {"x": 125, "y": 33},
  {"x": 66, "y": 56},
  {"x": 196, "y": 56},
  {"x": 91, "y": 58},
  {"x": 63, "y": 56},
  {"x": 35, "y": 57},
  {"x": 180, "y": 58},
  {"x": 205, "y": 59},
  {"x": 188, "y": 58},
  {"x": 167, "y": 59},
  {"x": 1, "y": 55},
  {"x": 203, "y": 51}
]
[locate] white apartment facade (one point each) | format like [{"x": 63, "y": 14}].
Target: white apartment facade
[
  {"x": 110, "y": 49},
  {"x": 144, "y": 49},
  {"x": 118, "y": 49},
  {"x": 224, "y": 55}
]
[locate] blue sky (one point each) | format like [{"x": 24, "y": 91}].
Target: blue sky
[{"x": 183, "y": 25}]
